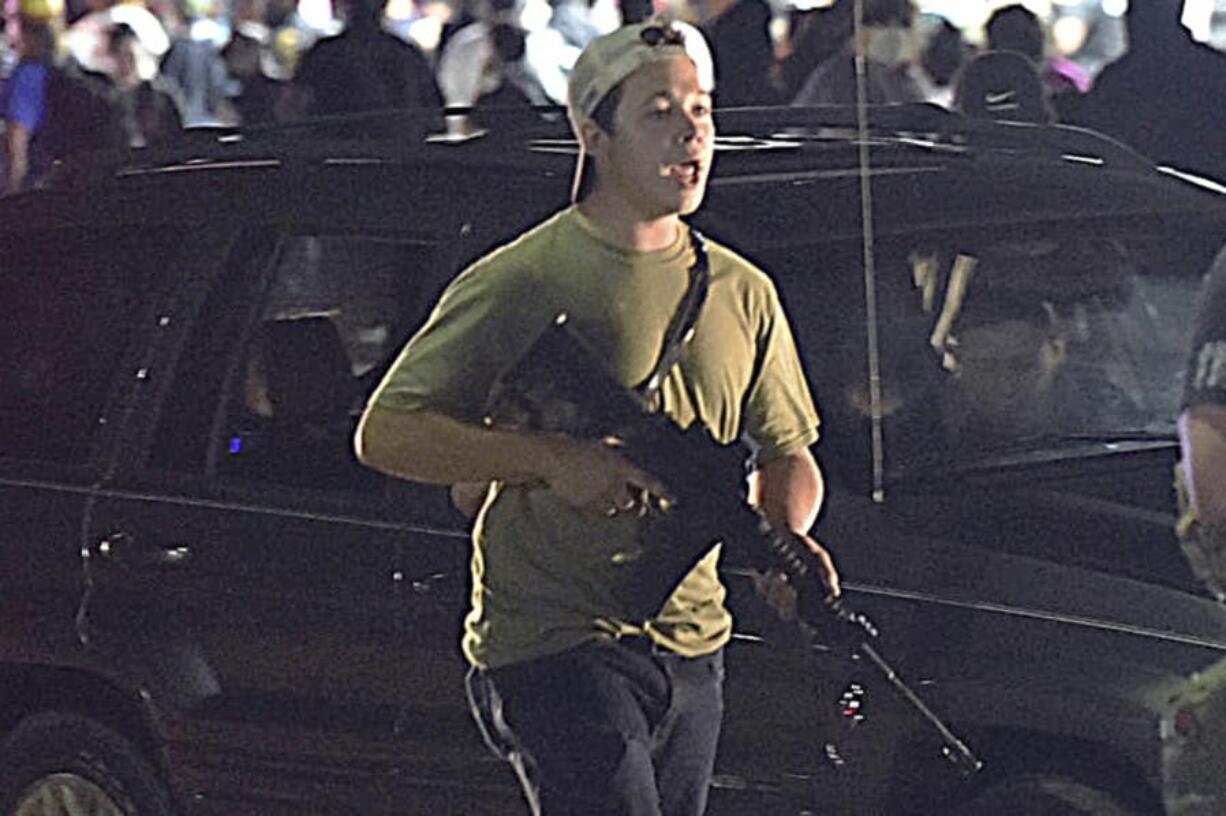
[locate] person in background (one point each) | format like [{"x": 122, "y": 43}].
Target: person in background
[
  {"x": 548, "y": 51},
  {"x": 1201, "y": 475},
  {"x": 943, "y": 55},
  {"x": 256, "y": 94},
  {"x": 194, "y": 71},
  {"x": 1166, "y": 97},
  {"x": 88, "y": 38},
  {"x": 1016, "y": 28},
  {"x": 1002, "y": 85},
  {"x": 814, "y": 36},
  {"x": 24, "y": 95},
  {"x": 739, "y": 33},
  {"x": 150, "y": 114},
  {"x": 889, "y": 44},
  {"x": 8, "y": 56},
  {"x": 460, "y": 68},
  {"x": 600, "y": 707},
  {"x": 364, "y": 68},
  {"x": 509, "y": 82},
  {"x": 283, "y": 32}
]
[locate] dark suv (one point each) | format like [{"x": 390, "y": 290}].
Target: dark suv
[{"x": 209, "y": 607}]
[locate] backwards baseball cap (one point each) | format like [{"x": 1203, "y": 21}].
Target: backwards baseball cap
[{"x": 608, "y": 60}]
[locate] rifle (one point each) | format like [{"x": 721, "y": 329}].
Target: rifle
[{"x": 559, "y": 386}]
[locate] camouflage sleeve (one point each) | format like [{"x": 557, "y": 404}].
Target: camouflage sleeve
[{"x": 1205, "y": 380}]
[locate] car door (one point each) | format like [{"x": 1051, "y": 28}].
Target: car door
[
  {"x": 1041, "y": 596},
  {"x": 71, "y": 306},
  {"x": 295, "y": 616}
]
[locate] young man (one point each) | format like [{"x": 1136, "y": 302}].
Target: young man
[{"x": 601, "y": 712}]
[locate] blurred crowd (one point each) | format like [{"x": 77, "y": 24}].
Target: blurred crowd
[{"x": 135, "y": 72}]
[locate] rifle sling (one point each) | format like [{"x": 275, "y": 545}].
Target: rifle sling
[{"x": 682, "y": 324}]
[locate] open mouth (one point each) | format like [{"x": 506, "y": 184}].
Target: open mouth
[{"x": 686, "y": 173}]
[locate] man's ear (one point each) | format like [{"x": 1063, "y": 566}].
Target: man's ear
[{"x": 595, "y": 140}]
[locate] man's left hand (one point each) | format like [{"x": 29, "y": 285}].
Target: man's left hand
[{"x": 780, "y": 594}]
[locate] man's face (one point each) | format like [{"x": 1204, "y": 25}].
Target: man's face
[{"x": 658, "y": 158}]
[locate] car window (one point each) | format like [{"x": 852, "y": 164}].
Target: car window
[
  {"x": 290, "y": 345},
  {"x": 992, "y": 343},
  {"x": 1031, "y": 342},
  {"x": 67, "y": 312}
]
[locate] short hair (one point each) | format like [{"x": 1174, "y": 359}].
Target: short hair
[
  {"x": 944, "y": 53},
  {"x": 1016, "y": 28},
  {"x": 606, "y": 111},
  {"x": 603, "y": 116},
  {"x": 888, "y": 12}
]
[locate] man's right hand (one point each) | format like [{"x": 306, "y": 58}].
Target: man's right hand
[
  {"x": 431, "y": 447},
  {"x": 596, "y": 476}
]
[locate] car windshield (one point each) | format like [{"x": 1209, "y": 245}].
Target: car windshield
[{"x": 994, "y": 345}]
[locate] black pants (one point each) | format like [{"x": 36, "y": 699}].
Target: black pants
[{"x": 608, "y": 728}]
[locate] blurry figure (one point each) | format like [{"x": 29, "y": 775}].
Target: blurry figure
[
  {"x": 23, "y": 96},
  {"x": 8, "y": 55},
  {"x": 194, "y": 69},
  {"x": 1030, "y": 351},
  {"x": 300, "y": 396},
  {"x": 52, "y": 112},
  {"x": 1203, "y": 420},
  {"x": 575, "y": 21},
  {"x": 461, "y": 62},
  {"x": 943, "y": 55},
  {"x": 88, "y": 39},
  {"x": 364, "y": 68},
  {"x": 255, "y": 98},
  {"x": 555, "y": 33},
  {"x": 463, "y": 14},
  {"x": 548, "y": 53},
  {"x": 739, "y": 34},
  {"x": 513, "y": 85},
  {"x": 150, "y": 114},
  {"x": 1002, "y": 85},
  {"x": 815, "y": 35},
  {"x": 1201, "y": 478},
  {"x": 889, "y": 47},
  {"x": 1088, "y": 32},
  {"x": 1166, "y": 96},
  {"x": 421, "y": 23},
  {"x": 286, "y": 36},
  {"x": 1005, "y": 372},
  {"x": 1015, "y": 28}
]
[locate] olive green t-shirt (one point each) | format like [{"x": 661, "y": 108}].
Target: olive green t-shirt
[{"x": 544, "y": 572}]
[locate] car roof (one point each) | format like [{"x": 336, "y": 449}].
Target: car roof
[{"x": 781, "y": 175}]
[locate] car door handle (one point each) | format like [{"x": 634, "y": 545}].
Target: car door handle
[
  {"x": 125, "y": 549},
  {"x": 422, "y": 584}
]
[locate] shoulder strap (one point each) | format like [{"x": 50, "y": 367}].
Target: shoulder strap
[{"x": 681, "y": 328}]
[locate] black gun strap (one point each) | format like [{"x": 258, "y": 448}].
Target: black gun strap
[{"x": 683, "y": 321}]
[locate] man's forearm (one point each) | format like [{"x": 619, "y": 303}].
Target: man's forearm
[
  {"x": 426, "y": 446},
  {"x": 1202, "y": 430}
]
